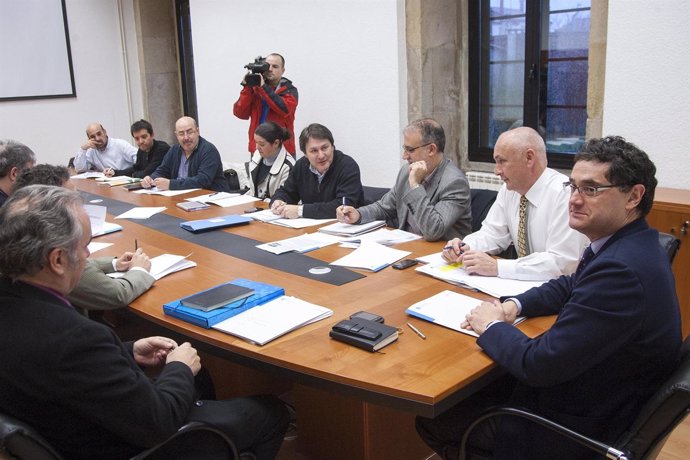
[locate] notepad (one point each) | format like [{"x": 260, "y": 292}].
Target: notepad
[
  {"x": 341, "y": 229},
  {"x": 217, "y": 297}
]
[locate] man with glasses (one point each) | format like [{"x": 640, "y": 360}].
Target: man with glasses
[
  {"x": 530, "y": 212},
  {"x": 431, "y": 196},
  {"x": 192, "y": 163},
  {"x": 616, "y": 337}
]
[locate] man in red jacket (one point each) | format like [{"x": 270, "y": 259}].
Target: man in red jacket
[{"x": 274, "y": 99}]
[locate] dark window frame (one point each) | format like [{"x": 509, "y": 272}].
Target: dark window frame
[{"x": 478, "y": 48}]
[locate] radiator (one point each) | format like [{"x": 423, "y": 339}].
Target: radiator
[{"x": 484, "y": 180}]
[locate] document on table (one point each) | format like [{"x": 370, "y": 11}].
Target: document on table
[
  {"x": 88, "y": 175},
  {"x": 342, "y": 229},
  {"x": 492, "y": 285},
  {"x": 435, "y": 258},
  {"x": 371, "y": 256},
  {"x": 163, "y": 265},
  {"x": 155, "y": 191},
  {"x": 117, "y": 180},
  {"x": 141, "y": 212},
  {"x": 303, "y": 243},
  {"x": 224, "y": 199},
  {"x": 263, "y": 323},
  {"x": 98, "y": 224},
  {"x": 382, "y": 236},
  {"x": 447, "y": 309},
  {"x": 96, "y": 246}
]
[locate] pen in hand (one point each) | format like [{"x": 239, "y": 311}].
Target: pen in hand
[
  {"x": 416, "y": 331},
  {"x": 450, "y": 246},
  {"x": 136, "y": 245}
]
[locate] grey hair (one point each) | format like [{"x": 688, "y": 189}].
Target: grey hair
[
  {"x": 34, "y": 221},
  {"x": 14, "y": 154}
]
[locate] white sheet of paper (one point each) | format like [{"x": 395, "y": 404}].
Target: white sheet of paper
[
  {"x": 371, "y": 256},
  {"x": 141, "y": 212},
  {"x": 382, "y": 236},
  {"x": 96, "y": 246},
  {"x": 492, "y": 285},
  {"x": 96, "y": 216},
  {"x": 302, "y": 243},
  {"x": 448, "y": 309},
  {"x": 300, "y": 222},
  {"x": 163, "y": 265},
  {"x": 435, "y": 258},
  {"x": 88, "y": 175},
  {"x": 266, "y": 322},
  {"x": 155, "y": 191}
]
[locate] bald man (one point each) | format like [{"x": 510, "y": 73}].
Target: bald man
[
  {"x": 103, "y": 153},
  {"x": 191, "y": 163},
  {"x": 551, "y": 247}
]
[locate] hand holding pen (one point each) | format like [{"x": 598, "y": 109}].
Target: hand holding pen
[
  {"x": 347, "y": 214},
  {"x": 454, "y": 250}
]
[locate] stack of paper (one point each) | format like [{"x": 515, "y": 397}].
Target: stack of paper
[
  {"x": 263, "y": 323},
  {"x": 371, "y": 256},
  {"x": 382, "y": 236},
  {"x": 492, "y": 285},
  {"x": 447, "y": 309},
  {"x": 88, "y": 175},
  {"x": 267, "y": 216},
  {"x": 163, "y": 265},
  {"x": 141, "y": 212},
  {"x": 303, "y": 243},
  {"x": 117, "y": 180},
  {"x": 224, "y": 199},
  {"x": 341, "y": 229},
  {"x": 156, "y": 191}
]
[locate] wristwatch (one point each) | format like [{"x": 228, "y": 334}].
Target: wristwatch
[{"x": 299, "y": 210}]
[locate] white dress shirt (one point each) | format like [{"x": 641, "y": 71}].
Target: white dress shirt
[
  {"x": 555, "y": 248},
  {"x": 118, "y": 154}
]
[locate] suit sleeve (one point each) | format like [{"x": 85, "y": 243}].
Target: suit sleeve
[
  {"x": 601, "y": 313},
  {"x": 98, "y": 291},
  {"x": 153, "y": 410}
]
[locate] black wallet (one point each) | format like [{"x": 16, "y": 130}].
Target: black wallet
[{"x": 369, "y": 335}]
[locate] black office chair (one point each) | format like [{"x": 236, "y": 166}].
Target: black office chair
[
  {"x": 22, "y": 442},
  {"x": 373, "y": 194},
  {"x": 647, "y": 434},
  {"x": 480, "y": 203},
  {"x": 671, "y": 244}
]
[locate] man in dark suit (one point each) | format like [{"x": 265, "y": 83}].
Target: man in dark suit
[
  {"x": 71, "y": 378},
  {"x": 149, "y": 156},
  {"x": 616, "y": 337}
]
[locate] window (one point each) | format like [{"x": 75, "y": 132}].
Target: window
[{"x": 528, "y": 66}]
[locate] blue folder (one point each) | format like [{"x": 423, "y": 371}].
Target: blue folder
[
  {"x": 262, "y": 293},
  {"x": 202, "y": 225}
]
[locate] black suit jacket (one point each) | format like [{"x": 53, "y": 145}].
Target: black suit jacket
[
  {"x": 615, "y": 340},
  {"x": 76, "y": 383}
]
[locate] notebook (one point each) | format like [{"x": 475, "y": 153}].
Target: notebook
[
  {"x": 201, "y": 225},
  {"x": 217, "y": 297}
]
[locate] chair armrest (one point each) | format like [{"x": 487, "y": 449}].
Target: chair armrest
[
  {"x": 186, "y": 429},
  {"x": 599, "y": 447}
]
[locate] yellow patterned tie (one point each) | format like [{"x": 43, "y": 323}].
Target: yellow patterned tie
[{"x": 522, "y": 228}]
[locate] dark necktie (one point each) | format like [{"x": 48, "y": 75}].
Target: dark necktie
[{"x": 586, "y": 257}]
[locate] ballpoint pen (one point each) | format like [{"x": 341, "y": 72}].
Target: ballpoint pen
[
  {"x": 136, "y": 245},
  {"x": 451, "y": 247},
  {"x": 416, "y": 331}
]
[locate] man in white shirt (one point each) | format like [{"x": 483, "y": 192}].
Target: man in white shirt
[
  {"x": 103, "y": 153},
  {"x": 551, "y": 248}
]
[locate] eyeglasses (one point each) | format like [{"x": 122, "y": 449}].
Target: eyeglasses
[
  {"x": 586, "y": 190},
  {"x": 409, "y": 149}
]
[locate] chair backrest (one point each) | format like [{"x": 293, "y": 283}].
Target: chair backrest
[
  {"x": 481, "y": 201},
  {"x": 23, "y": 442},
  {"x": 373, "y": 194},
  {"x": 662, "y": 413},
  {"x": 670, "y": 243}
]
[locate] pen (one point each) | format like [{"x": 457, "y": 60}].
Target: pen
[
  {"x": 451, "y": 247},
  {"x": 343, "y": 201},
  {"x": 136, "y": 245},
  {"x": 416, "y": 331}
]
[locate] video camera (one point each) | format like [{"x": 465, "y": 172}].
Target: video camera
[{"x": 256, "y": 68}]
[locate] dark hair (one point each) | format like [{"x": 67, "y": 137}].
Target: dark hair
[
  {"x": 431, "y": 132},
  {"x": 139, "y": 125},
  {"x": 42, "y": 175},
  {"x": 34, "y": 221},
  {"x": 628, "y": 166},
  {"x": 14, "y": 154},
  {"x": 272, "y": 131},
  {"x": 314, "y": 131}
]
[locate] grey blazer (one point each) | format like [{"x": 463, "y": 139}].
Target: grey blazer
[{"x": 442, "y": 211}]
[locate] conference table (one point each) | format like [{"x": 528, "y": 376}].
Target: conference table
[{"x": 350, "y": 403}]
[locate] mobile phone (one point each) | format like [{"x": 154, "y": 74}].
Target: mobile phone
[
  {"x": 403, "y": 264},
  {"x": 251, "y": 210},
  {"x": 367, "y": 316}
]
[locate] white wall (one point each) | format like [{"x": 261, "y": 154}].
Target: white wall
[
  {"x": 54, "y": 128},
  {"x": 647, "y": 99},
  {"x": 344, "y": 57}
]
